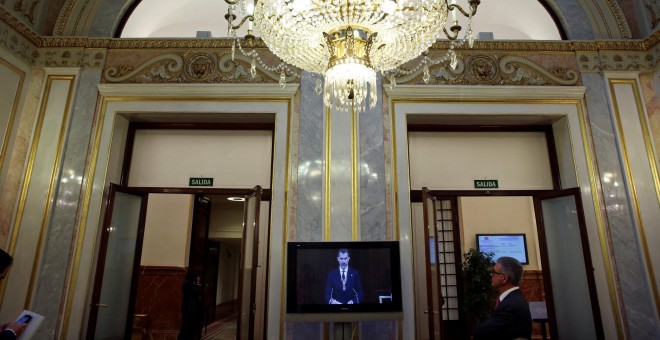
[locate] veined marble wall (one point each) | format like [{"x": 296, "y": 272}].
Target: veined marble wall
[
  {"x": 633, "y": 286},
  {"x": 357, "y": 162},
  {"x": 62, "y": 227}
]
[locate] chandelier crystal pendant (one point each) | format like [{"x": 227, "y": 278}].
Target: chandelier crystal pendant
[{"x": 349, "y": 41}]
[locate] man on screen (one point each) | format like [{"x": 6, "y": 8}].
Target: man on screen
[{"x": 343, "y": 285}]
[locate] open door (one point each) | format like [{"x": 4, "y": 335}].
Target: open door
[
  {"x": 573, "y": 310},
  {"x": 249, "y": 259},
  {"x": 120, "y": 250},
  {"x": 434, "y": 294}
]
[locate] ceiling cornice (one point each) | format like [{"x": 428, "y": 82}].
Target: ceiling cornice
[{"x": 496, "y": 45}]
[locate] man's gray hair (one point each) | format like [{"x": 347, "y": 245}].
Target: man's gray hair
[{"x": 512, "y": 268}]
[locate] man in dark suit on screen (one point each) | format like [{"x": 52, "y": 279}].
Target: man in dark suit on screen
[
  {"x": 343, "y": 285},
  {"x": 511, "y": 318}
]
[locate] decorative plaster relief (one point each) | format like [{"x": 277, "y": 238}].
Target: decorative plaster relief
[
  {"x": 190, "y": 67},
  {"x": 26, "y": 11},
  {"x": 653, "y": 8},
  {"x": 619, "y": 60},
  {"x": 76, "y": 57},
  {"x": 495, "y": 69},
  {"x": 16, "y": 43}
]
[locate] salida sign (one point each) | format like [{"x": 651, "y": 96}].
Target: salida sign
[
  {"x": 200, "y": 182},
  {"x": 486, "y": 184}
]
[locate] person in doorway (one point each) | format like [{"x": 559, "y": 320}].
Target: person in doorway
[
  {"x": 511, "y": 318},
  {"x": 343, "y": 285},
  {"x": 191, "y": 307},
  {"x": 11, "y": 330}
]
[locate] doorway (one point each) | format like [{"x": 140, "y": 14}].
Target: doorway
[
  {"x": 152, "y": 304},
  {"x": 185, "y": 105},
  {"x": 184, "y": 228},
  {"x": 543, "y": 222}
]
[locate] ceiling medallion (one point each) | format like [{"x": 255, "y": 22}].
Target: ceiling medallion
[{"x": 349, "y": 42}]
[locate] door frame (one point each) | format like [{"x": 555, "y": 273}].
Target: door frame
[
  {"x": 120, "y": 104},
  {"x": 93, "y": 312},
  {"x": 417, "y": 196},
  {"x": 103, "y": 248},
  {"x": 254, "y": 193},
  {"x": 430, "y": 296}
]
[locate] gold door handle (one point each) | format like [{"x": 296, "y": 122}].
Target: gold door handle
[{"x": 101, "y": 305}]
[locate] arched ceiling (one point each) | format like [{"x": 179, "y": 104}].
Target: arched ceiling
[{"x": 507, "y": 20}]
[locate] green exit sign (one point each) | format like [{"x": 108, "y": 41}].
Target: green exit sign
[
  {"x": 486, "y": 184},
  {"x": 200, "y": 182}
]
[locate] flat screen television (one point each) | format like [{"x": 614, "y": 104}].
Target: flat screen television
[
  {"x": 512, "y": 245},
  {"x": 369, "y": 290}
]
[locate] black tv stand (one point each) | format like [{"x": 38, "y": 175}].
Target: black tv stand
[{"x": 343, "y": 330}]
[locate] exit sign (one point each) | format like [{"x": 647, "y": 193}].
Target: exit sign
[
  {"x": 200, "y": 182},
  {"x": 486, "y": 184}
]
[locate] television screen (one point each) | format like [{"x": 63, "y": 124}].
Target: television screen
[
  {"x": 512, "y": 245},
  {"x": 343, "y": 281}
]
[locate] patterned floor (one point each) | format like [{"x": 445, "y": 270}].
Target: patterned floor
[{"x": 224, "y": 329}]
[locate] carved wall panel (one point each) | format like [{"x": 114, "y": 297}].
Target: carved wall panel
[
  {"x": 490, "y": 68},
  {"x": 202, "y": 66}
]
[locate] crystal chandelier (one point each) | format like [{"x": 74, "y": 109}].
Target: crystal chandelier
[{"x": 349, "y": 41}]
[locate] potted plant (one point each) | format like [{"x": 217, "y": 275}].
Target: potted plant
[{"x": 479, "y": 295}]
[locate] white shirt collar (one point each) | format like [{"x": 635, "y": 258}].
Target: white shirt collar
[{"x": 506, "y": 292}]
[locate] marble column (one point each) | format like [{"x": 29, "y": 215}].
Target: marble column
[
  {"x": 311, "y": 153},
  {"x": 51, "y": 289},
  {"x": 373, "y": 215},
  {"x": 373, "y": 212},
  {"x": 635, "y": 295},
  {"x": 309, "y": 185},
  {"x": 346, "y": 187}
]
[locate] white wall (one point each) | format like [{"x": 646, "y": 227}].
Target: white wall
[
  {"x": 233, "y": 158},
  {"x": 519, "y": 160},
  {"x": 226, "y": 219},
  {"x": 483, "y": 215},
  {"x": 167, "y": 230}
]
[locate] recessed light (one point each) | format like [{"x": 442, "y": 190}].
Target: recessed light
[{"x": 236, "y": 199}]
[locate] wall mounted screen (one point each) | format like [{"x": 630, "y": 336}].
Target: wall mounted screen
[{"x": 512, "y": 245}]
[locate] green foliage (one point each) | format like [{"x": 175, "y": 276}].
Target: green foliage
[{"x": 479, "y": 294}]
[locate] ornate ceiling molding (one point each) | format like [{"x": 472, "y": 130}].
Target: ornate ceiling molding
[
  {"x": 24, "y": 42},
  {"x": 619, "y": 60},
  {"x": 66, "y": 57},
  {"x": 619, "y": 16},
  {"x": 496, "y": 69},
  {"x": 65, "y": 13},
  {"x": 16, "y": 43},
  {"x": 27, "y": 32},
  {"x": 189, "y": 67}
]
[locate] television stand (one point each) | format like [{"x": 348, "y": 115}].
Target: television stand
[{"x": 343, "y": 330}]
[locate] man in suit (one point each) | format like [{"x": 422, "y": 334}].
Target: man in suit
[
  {"x": 343, "y": 285},
  {"x": 511, "y": 318},
  {"x": 8, "y": 331}
]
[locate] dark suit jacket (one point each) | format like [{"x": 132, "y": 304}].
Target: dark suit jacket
[
  {"x": 511, "y": 319},
  {"x": 7, "y": 335},
  {"x": 333, "y": 286}
]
